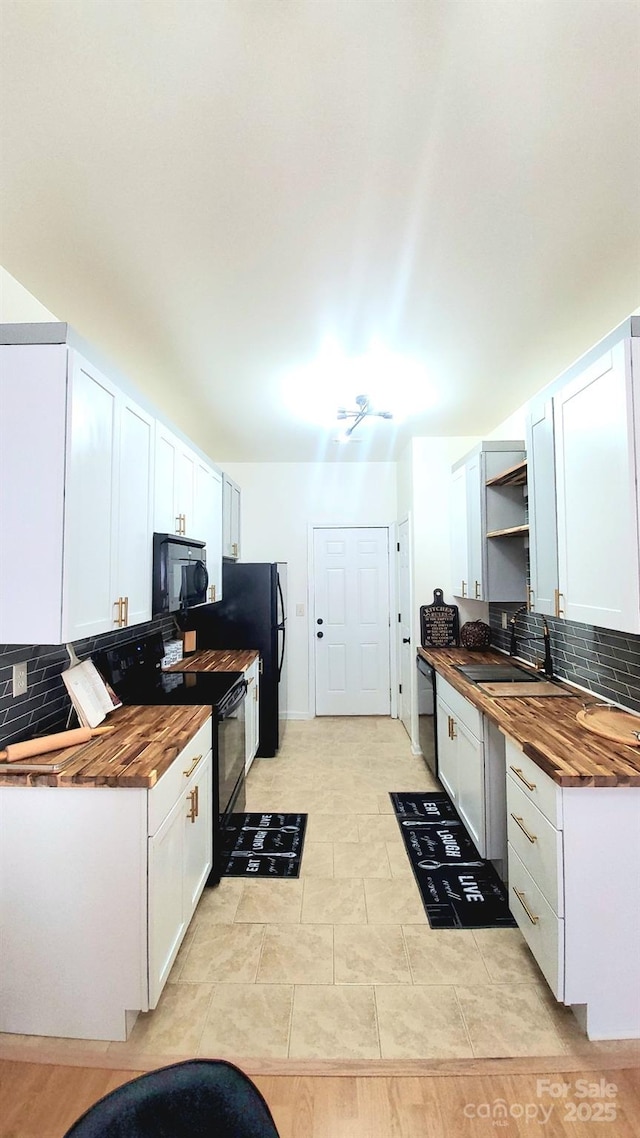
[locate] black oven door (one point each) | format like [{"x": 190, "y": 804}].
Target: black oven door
[{"x": 231, "y": 753}]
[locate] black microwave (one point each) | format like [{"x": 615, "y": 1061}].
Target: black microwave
[{"x": 180, "y": 578}]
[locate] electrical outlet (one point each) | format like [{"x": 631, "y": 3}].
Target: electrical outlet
[
  {"x": 20, "y": 678},
  {"x": 504, "y": 619},
  {"x": 299, "y": 610}
]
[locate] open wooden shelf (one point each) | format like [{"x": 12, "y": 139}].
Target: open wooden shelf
[
  {"x": 513, "y": 476},
  {"x": 512, "y": 531}
]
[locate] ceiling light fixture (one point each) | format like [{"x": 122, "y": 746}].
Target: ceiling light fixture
[{"x": 364, "y": 410}]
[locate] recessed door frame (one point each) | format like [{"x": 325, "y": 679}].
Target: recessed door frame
[{"x": 392, "y": 532}]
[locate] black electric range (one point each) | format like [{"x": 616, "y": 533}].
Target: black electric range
[{"x": 134, "y": 672}]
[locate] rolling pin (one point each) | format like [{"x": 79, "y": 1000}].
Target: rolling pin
[{"x": 56, "y": 742}]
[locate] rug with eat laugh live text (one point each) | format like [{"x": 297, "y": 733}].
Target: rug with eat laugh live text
[
  {"x": 459, "y": 889},
  {"x": 263, "y": 845}
]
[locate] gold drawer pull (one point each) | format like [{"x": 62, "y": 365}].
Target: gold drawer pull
[
  {"x": 556, "y": 595},
  {"x": 520, "y": 896},
  {"x": 529, "y": 785},
  {"x": 532, "y": 837},
  {"x": 187, "y": 774}
]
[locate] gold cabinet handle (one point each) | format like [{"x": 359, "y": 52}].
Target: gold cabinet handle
[
  {"x": 520, "y": 896},
  {"x": 463, "y": 592},
  {"x": 234, "y": 547},
  {"x": 126, "y": 611},
  {"x": 532, "y": 837},
  {"x": 187, "y": 774},
  {"x": 518, "y": 772},
  {"x": 530, "y": 595},
  {"x": 179, "y": 523},
  {"x": 453, "y": 728},
  {"x": 193, "y": 811},
  {"x": 260, "y": 666},
  {"x": 212, "y": 592},
  {"x": 120, "y": 619},
  {"x": 557, "y": 594},
  {"x": 477, "y": 590}
]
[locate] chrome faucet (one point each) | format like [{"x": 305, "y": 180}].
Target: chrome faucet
[{"x": 547, "y": 665}]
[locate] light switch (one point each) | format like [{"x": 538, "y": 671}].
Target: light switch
[{"x": 299, "y": 610}]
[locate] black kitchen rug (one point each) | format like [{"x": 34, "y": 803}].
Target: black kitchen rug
[
  {"x": 459, "y": 889},
  {"x": 263, "y": 845}
]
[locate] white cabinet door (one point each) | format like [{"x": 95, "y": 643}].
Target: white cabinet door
[
  {"x": 166, "y": 913},
  {"x": 459, "y": 539},
  {"x": 541, "y": 488},
  {"x": 230, "y": 518},
  {"x": 598, "y": 555},
  {"x": 186, "y": 490},
  {"x": 175, "y": 484},
  {"x": 134, "y": 513},
  {"x": 471, "y": 788},
  {"x": 447, "y": 750},
  {"x": 252, "y": 713},
  {"x": 91, "y": 492},
  {"x": 208, "y": 522},
  {"x": 198, "y": 836},
  {"x": 475, "y": 491}
]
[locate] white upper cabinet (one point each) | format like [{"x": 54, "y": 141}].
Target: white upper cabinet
[
  {"x": 231, "y": 519},
  {"x": 597, "y": 492},
  {"x": 75, "y": 495},
  {"x": 541, "y": 485},
  {"x": 208, "y": 522},
  {"x": 175, "y": 483},
  {"x": 488, "y": 559}
]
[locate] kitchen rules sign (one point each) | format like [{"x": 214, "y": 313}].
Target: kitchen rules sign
[{"x": 439, "y": 624}]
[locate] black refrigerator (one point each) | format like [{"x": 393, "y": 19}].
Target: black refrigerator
[{"x": 252, "y": 614}]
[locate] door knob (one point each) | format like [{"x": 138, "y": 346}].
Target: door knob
[
  {"x": 406, "y": 640},
  {"x": 319, "y": 635}
]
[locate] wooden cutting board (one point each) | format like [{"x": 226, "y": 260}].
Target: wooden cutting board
[
  {"x": 526, "y": 688},
  {"x": 611, "y": 723}
]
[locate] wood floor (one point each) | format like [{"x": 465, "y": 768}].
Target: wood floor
[{"x": 42, "y": 1100}]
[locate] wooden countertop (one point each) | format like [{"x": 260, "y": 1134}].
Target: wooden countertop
[
  {"x": 137, "y": 753},
  {"x": 546, "y": 729},
  {"x": 217, "y": 660}
]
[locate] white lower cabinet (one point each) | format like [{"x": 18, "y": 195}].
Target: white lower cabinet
[
  {"x": 97, "y": 888},
  {"x": 574, "y": 888},
  {"x": 471, "y": 769},
  {"x": 252, "y": 713}
]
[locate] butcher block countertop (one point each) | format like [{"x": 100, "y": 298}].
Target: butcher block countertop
[
  {"x": 217, "y": 660},
  {"x": 545, "y": 728},
  {"x": 136, "y": 753}
]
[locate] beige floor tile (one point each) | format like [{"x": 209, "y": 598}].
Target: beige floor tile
[
  {"x": 421, "y": 1023},
  {"x": 336, "y": 802},
  {"x": 248, "y": 1020},
  {"x": 328, "y": 901},
  {"x": 444, "y": 956},
  {"x": 270, "y": 902},
  {"x": 296, "y": 954},
  {"x": 334, "y": 1023},
  {"x": 332, "y": 828},
  {"x": 180, "y": 960},
  {"x": 394, "y": 902},
  {"x": 317, "y": 860},
  {"x": 372, "y": 954},
  {"x": 224, "y": 954},
  {"x": 508, "y": 1019},
  {"x": 377, "y": 828},
  {"x": 507, "y": 956},
  {"x": 364, "y": 859},
  {"x": 218, "y": 905},
  {"x": 176, "y": 1025},
  {"x": 384, "y": 805}
]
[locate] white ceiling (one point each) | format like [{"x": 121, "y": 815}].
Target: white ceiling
[{"x": 210, "y": 190}]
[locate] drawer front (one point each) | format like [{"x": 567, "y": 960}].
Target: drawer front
[
  {"x": 163, "y": 796},
  {"x": 539, "y": 925},
  {"x": 538, "y": 845},
  {"x": 532, "y": 781},
  {"x": 461, "y": 708}
]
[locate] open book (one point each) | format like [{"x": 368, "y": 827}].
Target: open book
[{"x": 92, "y": 698}]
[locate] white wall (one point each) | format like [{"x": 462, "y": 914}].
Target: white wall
[
  {"x": 17, "y": 306},
  {"x": 279, "y": 503}
]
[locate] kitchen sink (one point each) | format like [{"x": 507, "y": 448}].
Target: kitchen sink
[{"x": 498, "y": 674}]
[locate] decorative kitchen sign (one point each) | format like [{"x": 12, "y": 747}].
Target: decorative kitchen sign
[{"x": 439, "y": 623}]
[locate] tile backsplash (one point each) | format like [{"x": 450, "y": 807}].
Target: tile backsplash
[
  {"x": 46, "y": 707},
  {"x": 604, "y": 662}
]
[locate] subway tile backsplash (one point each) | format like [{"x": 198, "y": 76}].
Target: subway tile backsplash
[
  {"x": 604, "y": 662},
  {"x": 46, "y": 706}
]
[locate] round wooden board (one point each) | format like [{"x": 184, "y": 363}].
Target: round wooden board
[{"x": 611, "y": 723}]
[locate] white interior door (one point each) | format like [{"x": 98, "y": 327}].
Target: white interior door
[
  {"x": 351, "y": 621},
  {"x": 404, "y": 625}
]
